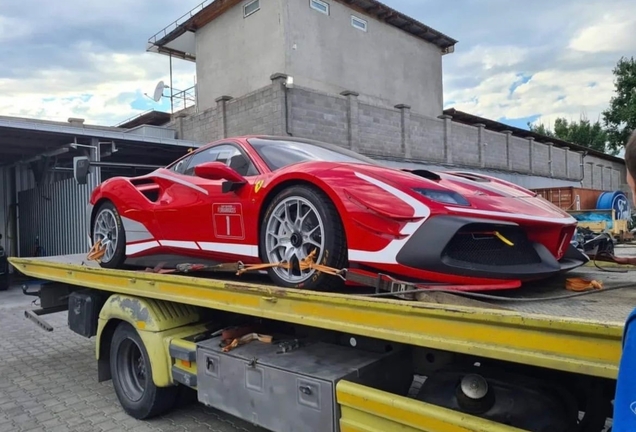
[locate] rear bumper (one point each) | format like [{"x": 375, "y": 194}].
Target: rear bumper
[{"x": 448, "y": 244}]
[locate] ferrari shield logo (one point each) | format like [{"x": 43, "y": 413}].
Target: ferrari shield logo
[{"x": 258, "y": 185}]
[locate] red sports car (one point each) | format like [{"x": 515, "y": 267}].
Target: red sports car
[{"x": 261, "y": 199}]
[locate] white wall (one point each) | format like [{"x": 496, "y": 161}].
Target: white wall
[
  {"x": 384, "y": 64},
  {"x": 237, "y": 55}
]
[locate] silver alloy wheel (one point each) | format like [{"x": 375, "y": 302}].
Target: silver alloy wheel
[
  {"x": 294, "y": 230},
  {"x": 106, "y": 230}
]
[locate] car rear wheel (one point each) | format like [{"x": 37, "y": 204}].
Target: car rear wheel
[
  {"x": 301, "y": 220},
  {"x": 109, "y": 229}
]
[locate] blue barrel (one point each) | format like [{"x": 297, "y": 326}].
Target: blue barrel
[{"x": 616, "y": 200}]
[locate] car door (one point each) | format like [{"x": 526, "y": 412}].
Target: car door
[{"x": 194, "y": 213}]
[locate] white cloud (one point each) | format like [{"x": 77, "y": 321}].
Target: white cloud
[
  {"x": 68, "y": 50},
  {"x": 13, "y": 29},
  {"x": 493, "y": 56},
  {"x": 103, "y": 94},
  {"x": 613, "y": 33},
  {"x": 569, "y": 66}
]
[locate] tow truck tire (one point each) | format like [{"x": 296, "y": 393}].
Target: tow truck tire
[
  {"x": 4, "y": 282},
  {"x": 132, "y": 376}
]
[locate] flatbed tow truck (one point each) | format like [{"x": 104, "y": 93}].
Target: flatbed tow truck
[{"x": 539, "y": 358}]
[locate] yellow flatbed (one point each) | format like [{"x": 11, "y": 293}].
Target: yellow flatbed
[{"x": 580, "y": 334}]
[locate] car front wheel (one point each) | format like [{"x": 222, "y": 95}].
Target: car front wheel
[{"x": 299, "y": 221}]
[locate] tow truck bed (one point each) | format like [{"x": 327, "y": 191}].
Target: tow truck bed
[{"x": 581, "y": 334}]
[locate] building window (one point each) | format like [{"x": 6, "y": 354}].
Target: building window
[
  {"x": 358, "y": 23},
  {"x": 320, "y": 6},
  {"x": 251, "y": 7}
]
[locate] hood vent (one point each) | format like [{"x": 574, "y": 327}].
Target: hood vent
[{"x": 430, "y": 175}]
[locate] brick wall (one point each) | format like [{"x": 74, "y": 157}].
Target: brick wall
[{"x": 391, "y": 132}]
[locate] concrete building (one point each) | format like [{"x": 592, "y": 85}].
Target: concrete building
[
  {"x": 358, "y": 74},
  {"x": 327, "y": 45}
]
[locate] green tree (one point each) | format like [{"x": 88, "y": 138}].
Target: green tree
[
  {"x": 620, "y": 117},
  {"x": 583, "y": 132}
]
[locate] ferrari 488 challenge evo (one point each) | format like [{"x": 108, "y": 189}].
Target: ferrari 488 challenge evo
[{"x": 262, "y": 199}]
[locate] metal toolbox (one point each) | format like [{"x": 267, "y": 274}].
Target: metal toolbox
[{"x": 293, "y": 391}]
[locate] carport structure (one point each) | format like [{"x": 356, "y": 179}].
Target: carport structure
[
  {"x": 40, "y": 201},
  {"x": 46, "y": 146}
]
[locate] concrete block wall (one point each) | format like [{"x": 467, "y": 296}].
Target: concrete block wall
[
  {"x": 393, "y": 133},
  {"x": 320, "y": 116},
  {"x": 397, "y": 132},
  {"x": 259, "y": 112}
]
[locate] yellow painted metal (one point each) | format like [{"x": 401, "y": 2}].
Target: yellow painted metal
[
  {"x": 365, "y": 409},
  {"x": 147, "y": 313},
  {"x": 157, "y": 324},
  {"x": 581, "y": 346}
]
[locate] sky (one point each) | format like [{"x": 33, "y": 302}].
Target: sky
[{"x": 515, "y": 62}]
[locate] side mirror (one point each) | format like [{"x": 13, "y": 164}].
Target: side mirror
[
  {"x": 218, "y": 171},
  {"x": 81, "y": 165}
]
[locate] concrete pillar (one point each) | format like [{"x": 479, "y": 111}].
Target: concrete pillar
[
  {"x": 591, "y": 164},
  {"x": 550, "y": 164},
  {"x": 179, "y": 117},
  {"x": 481, "y": 144},
  {"x": 567, "y": 162},
  {"x": 602, "y": 177},
  {"x": 448, "y": 149},
  {"x": 508, "y": 148},
  {"x": 405, "y": 117},
  {"x": 221, "y": 115},
  {"x": 531, "y": 154},
  {"x": 353, "y": 119},
  {"x": 282, "y": 104}
]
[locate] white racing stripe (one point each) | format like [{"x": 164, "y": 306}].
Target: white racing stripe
[
  {"x": 179, "y": 244},
  {"x": 388, "y": 255},
  {"x": 230, "y": 248},
  {"x": 135, "y": 248}
]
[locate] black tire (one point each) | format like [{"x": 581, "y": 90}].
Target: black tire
[
  {"x": 140, "y": 398},
  {"x": 335, "y": 248},
  {"x": 119, "y": 257}
]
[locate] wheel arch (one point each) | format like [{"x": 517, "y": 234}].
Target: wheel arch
[
  {"x": 153, "y": 320},
  {"x": 278, "y": 187},
  {"x": 94, "y": 209}
]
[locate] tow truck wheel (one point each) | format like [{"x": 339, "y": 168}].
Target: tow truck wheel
[
  {"x": 4, "y": 282},
  {"x": 132, "y": 376}
]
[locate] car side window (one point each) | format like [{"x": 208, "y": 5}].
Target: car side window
[
  {"x": 180, "y": 166},
  {"x": 228, "y": 154}
]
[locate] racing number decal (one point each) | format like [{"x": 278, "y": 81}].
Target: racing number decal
[{"x": 228, "y": 221}]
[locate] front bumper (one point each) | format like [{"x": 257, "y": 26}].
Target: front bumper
[{"x": 453, "y": 245}]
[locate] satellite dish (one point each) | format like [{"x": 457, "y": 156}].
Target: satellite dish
[{"x": 159, "y": 91}]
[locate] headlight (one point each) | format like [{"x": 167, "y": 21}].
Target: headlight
[{"x": 442, "y": 196}]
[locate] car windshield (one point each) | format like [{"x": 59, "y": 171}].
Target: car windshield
[{"x": 281, "y": 153}]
